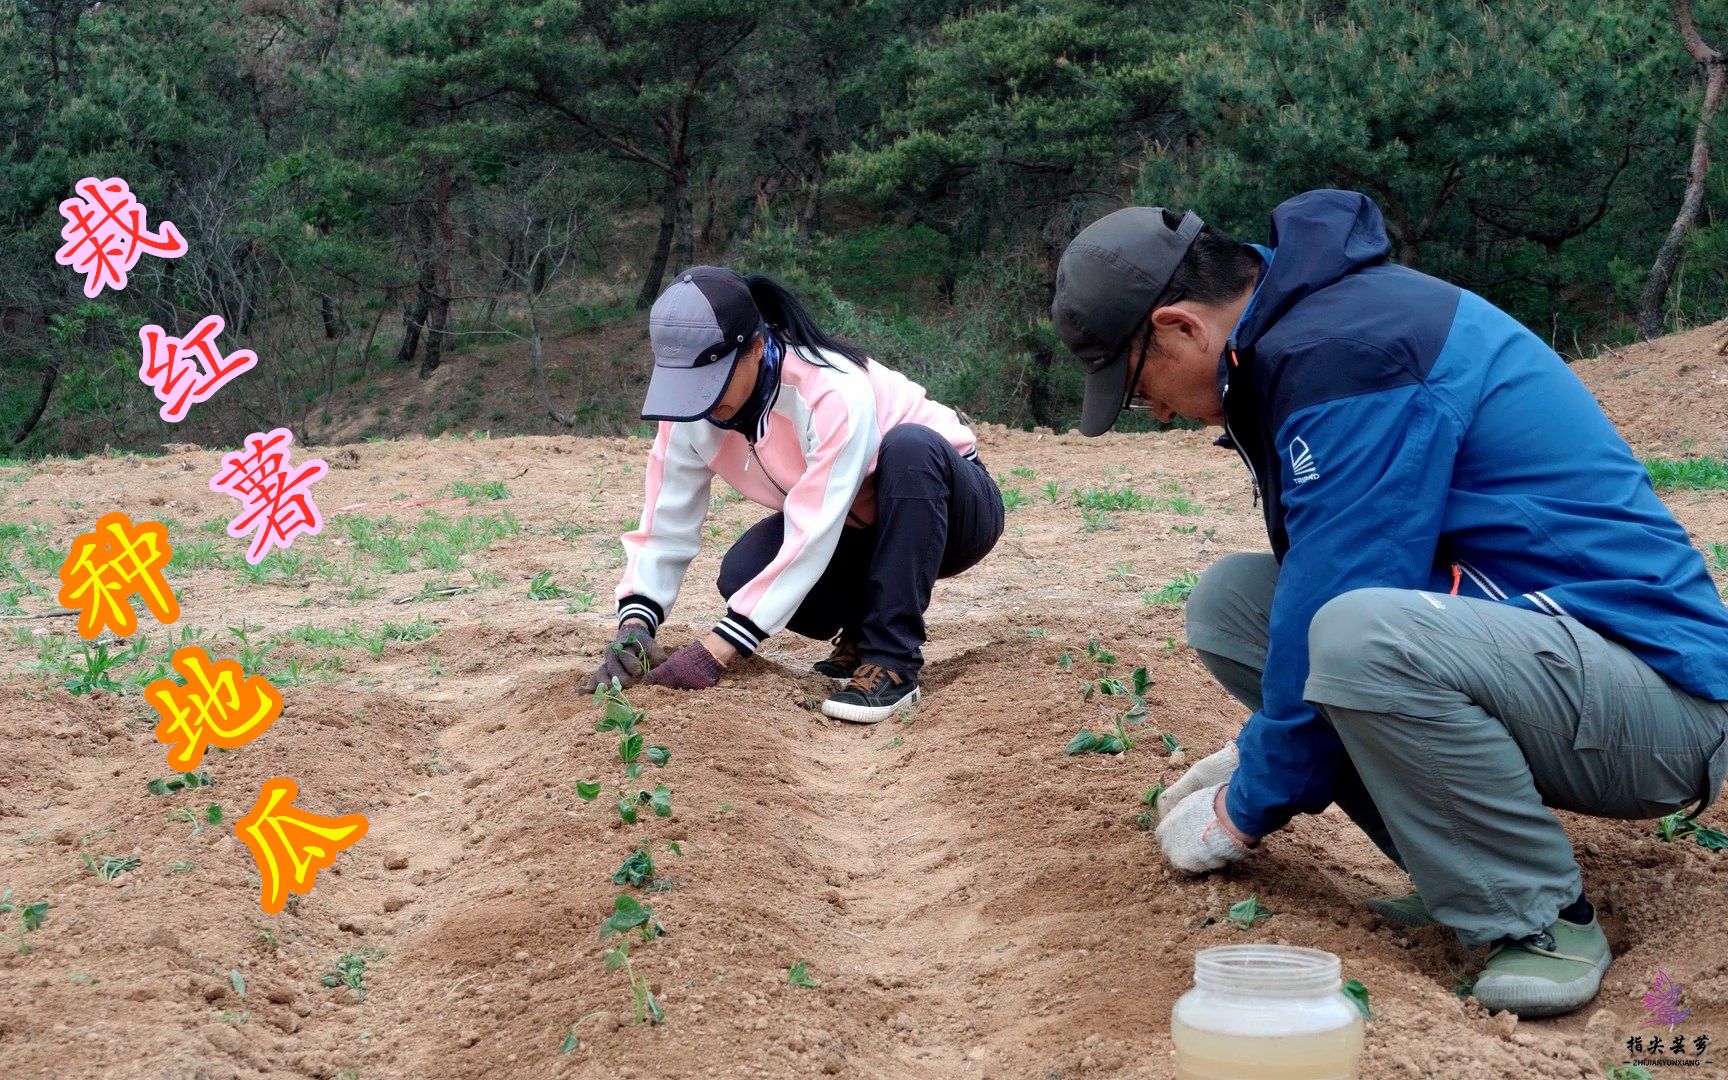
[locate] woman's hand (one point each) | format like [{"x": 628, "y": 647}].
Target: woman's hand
[
  {"x": 633, "y": 653},
  {"x": 691, "y": 668}
]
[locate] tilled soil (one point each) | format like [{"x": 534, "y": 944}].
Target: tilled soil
[{"x": 970, "y": 902}]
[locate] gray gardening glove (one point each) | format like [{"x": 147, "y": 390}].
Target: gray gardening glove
[
  {"x": 1205, "y": 773},
  {"x": 1193, "y": 838},
  {"x": 630, "y": 656}
]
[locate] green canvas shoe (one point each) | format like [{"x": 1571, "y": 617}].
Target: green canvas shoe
[
  {"x": 1407, "y": 911},
  {"x": 1545, "y": 974}
]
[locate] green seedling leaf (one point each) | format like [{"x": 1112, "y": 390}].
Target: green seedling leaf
[
  {"x": 675, "y": 848},
  {"x": 1110, "y": 686},
  {"x": 587, "y": 790},
  {"x": 662, "y": 801},
  {"x": 627, "y": 811},
  {"x": 6, "y": 905},
  {"x": 1675, "y": 826},
  {"x": 213, "y": 814},
  {"x": 237, "y": 981},
  {"x": 35, "y": 915},
  {"x": 570, "y": 1042},
  {"x": 1358, "y": 995},
  {"x": 1170, "y": 743},
  {"x": 1110, "y": 743},
  {"x": 619, "y": 715},
  {"x": 1083, "y": 743},
  {"x": 634, "y": 770},
  {"x": 159, "y": 786},
  {"x": 1142, "y": 682},
  {"x": 649, "y": 1005},
  {"x": 1244, "y": 915},
  {"x": 630, "y": 747},
  {"x": 637, "y": 871},
  {"x": 658, "y": 756},
  {"x": 797, "y": 975},
  {"x": 1152, "y": 793},
  {"x": 628, "y": 914},
  {"x": 108, "y": 867},
  {"x": 1065, "y": 661},
  {"x": 1099, "y": 655},
  {"x": 1711, "y": 839},
  {"x": 1629, "y": 1072},
  {"x": 615, "y": 958}
]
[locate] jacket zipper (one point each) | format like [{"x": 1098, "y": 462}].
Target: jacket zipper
[
  {"x": 1224, "y": 399},
  {"x": 1483, "y": 581}
]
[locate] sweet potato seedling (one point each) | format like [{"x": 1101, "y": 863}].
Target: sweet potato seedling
[
  {"x": 797, "y": 975},
  {"x": 350, "y": 970},
  {"x": 1628, "y": 1072},
  {"x": 168, "y": 785},
  {"x": 647, "y": 1008},
  {"x": 1244, "y": 915},
  {"x": 1148, "y": 818},
  {"x": 31, "y": 916},
  {"x": 1677, "y": 826},
  {"x": 107, "y": 867}
]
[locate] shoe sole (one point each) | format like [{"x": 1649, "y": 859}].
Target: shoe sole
[
  {"x": 867, "y": 714},
  {"x": 1392, "y": 913},
  {"x": 1536, "y": 998}
]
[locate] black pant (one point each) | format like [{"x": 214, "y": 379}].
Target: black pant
[{"x": 937, "y": 514}]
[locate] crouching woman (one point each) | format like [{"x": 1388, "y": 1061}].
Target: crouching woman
[{"x": 877, "y": 492}]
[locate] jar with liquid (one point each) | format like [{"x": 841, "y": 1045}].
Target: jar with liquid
[{"x": 1266, "y": 1012}]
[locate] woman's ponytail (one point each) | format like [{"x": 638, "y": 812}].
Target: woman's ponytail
[{"x": 789, "y": 321}]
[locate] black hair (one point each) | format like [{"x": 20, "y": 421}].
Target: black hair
[
  {"x": 1216, "y": 268},
  {"x": 790, "y": 322}
]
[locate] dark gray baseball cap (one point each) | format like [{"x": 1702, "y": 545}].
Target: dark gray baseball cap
[
  {"x": 1106, "y": 285},
  {"x": 697, "y": 328}
]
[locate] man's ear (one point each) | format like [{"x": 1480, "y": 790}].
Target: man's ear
[{"x": 1177, "y": 323}]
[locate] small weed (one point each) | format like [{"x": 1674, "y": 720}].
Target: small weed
[
  {"x": 1014, "y": 499},
  {"x": 543, "y": 588},
  {"x": 1053, "y": 491},
  {"x": 580, "y": 603},
  {"x": 637, "y": 871},
  {"x": 1106, "y": 499},
  {"x": 1717, "y": 555},
  {"x": 1022, "y": 472},
  {"x": 1096, "y": 521},
  {"x": 477, "y": 493},
  {"x": 1688, "y": 474},
  {"x": 1122, "y": 571},
  {"x": 1175, "y": 592},
  {"x": 181, "y": 866},
  {"x": 798, "y": 975}
]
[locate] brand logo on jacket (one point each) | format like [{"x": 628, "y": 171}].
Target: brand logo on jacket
[{"x": 1302, "y": 461}]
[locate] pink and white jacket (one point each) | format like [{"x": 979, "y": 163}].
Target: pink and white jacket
[{"x": 814, "y": 459}]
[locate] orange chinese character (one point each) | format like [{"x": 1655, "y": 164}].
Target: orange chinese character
[
  {"x": 105, "y": 234},
  {"x": 107, "y": 566},
  {"x": 185, "y": 371},
  {"x": 269, "y": 489},
  {"x": 218, "y": 705},
  {"x": 290, "y": 846}
]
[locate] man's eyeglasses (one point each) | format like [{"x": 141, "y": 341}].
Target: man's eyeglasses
[{"x": 1141, "y": 344}]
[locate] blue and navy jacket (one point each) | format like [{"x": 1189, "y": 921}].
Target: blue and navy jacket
[{"x": 1406, "y": 433}]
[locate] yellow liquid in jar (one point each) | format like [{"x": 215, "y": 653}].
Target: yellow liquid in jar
[{"x": 1207, "y": 1055}]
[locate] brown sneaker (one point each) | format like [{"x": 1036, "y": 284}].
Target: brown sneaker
[{"x": 842, "y": 663}]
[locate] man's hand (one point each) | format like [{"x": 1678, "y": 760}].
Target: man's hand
[
  {"x": 691, "y": 668},
  {"x": 633, "y": 653},
  {"x": 1197, "y": 836},
  {"x": 1205, "y": 773}
]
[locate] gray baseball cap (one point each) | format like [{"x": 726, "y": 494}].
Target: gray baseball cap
[
  {"x": 1106, "y": 285},
  {"x": 697, "y": 328}
]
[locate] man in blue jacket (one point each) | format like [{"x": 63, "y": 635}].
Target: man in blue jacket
[{"x": 1475, "y": 606}]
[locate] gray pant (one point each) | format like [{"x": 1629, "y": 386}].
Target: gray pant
[{"x": 1463, "y": 719}]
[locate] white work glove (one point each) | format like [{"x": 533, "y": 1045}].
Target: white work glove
[
  {"x": 1193, "y": 838},
  {"x": 1207, "y": 772}
]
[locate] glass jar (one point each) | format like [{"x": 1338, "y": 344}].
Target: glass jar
[{"x": 1266, "y": 1012}]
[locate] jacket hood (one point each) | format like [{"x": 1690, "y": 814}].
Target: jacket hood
[{"x": 1320, "y": 237}]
